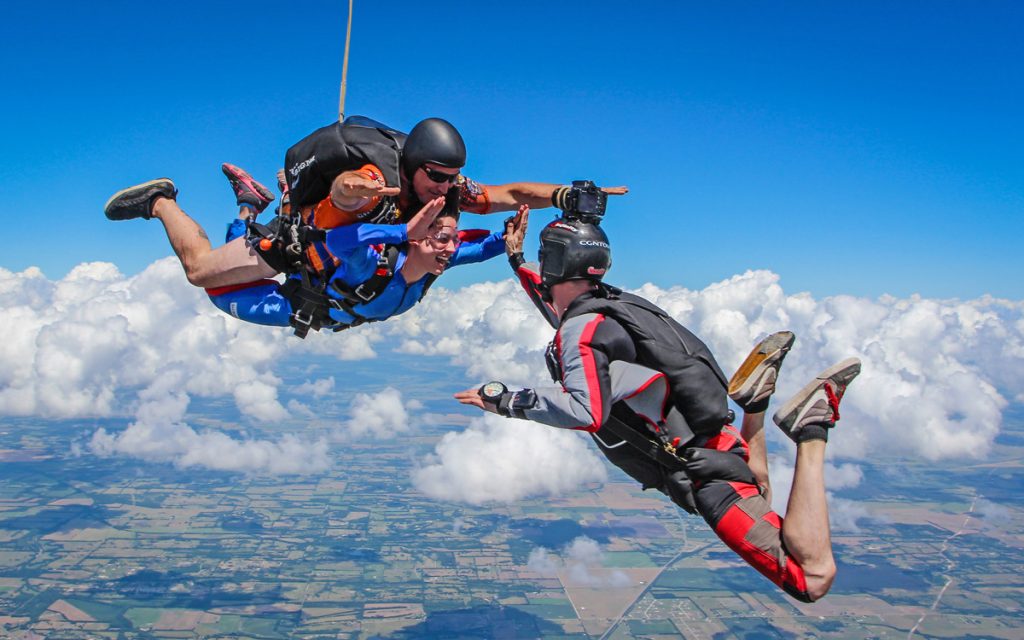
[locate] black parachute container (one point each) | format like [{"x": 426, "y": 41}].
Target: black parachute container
[
  {"x": 312, "y": 163},
  {"x": 698, "y": 386}
]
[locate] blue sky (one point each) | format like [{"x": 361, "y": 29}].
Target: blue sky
[{"x": 852, "y": 148}]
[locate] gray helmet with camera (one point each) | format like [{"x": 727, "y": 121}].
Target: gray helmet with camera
[
  {"x": 572, "y": 249},
  {"x": 435, "y": 141}
]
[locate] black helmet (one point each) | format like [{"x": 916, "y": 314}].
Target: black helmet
[
  {"x": 433, "y": 140},
  {"x": 573, "y": 250}
]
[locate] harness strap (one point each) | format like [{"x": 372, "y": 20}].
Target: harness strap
[
  {"x": 426, "y": 285},
  {"x": 309, "y": 310},
  {"x": 369, "y": 290},
  {"x": 646, "y": 446},
  {"x": 282, "y": 244}
]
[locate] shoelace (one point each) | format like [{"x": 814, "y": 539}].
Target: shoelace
[{"x": 833, "y": 401}]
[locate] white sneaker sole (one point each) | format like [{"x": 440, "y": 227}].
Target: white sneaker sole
[{"x": 755, "y": 378}]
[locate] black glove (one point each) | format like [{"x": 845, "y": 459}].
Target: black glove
[
  {"x": 680, "y": 489},
  {"x": 514, "y": 404},
  {"x": 708, "y": 464}
]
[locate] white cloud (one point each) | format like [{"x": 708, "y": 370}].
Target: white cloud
[
  {"x": 993, "y": 512},
  {"x": 74, "y": 346},
  {"x": 184, "y": 447},
  {"x": 159, "y": 435},
  {"x": 342, "y": 345},
  {"x": 503, "y": 460},
  {"x": 843, "y": 476},
  {"x": 544, "y": 562},
  {"x": 581, "y": 565},
  {"x": 846, "y": 515},
  {"x": 491, "y": 330},
  {"x": 316, "y": 388},
  {"x": 380, "y": 415}
]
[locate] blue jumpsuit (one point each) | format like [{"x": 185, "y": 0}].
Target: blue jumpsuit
[{"x": 262, "y": 303}]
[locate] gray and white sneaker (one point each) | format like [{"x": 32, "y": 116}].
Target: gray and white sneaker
[
  {"x": 137, "y": 201},
  {"x": 754, "y": 382},
  {"x": 818, "y": 402}
]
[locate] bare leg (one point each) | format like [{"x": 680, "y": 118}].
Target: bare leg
[
  {"x": 753, "y": 432},
  {"x": 233, "y": 263},
  {"x": 805, "y": 529},
  {"x": 751, "y": 387},
  {"x": 795, "y": 552}
]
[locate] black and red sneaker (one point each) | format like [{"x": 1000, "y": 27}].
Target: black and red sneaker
[{"x": 248, "y": 192}]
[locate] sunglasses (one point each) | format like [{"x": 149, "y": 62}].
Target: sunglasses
[{"x": 440, "y": 177}]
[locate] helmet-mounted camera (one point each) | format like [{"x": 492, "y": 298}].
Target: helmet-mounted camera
[{"x": 583, "y": 201}]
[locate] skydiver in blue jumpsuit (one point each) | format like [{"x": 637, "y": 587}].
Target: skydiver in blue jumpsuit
[{"x": 357, "y": 249}]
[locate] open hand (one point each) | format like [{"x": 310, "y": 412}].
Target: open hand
[
  {"x": 356, "y": 184},
  {"x": 419, "y": 226},
  {"x": 472, "y": 397},
  {"x": 515, "y": 230}
]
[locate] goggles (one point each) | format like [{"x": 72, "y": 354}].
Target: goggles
[{"x": 441, "y": 238}]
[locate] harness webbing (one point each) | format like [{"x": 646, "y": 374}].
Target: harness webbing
[
  {"x": 368, "y": 291},
  {"x": 650, "y": 448}
]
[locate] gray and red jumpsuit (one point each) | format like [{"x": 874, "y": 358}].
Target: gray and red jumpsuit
[{"x": 594, "y": 360}]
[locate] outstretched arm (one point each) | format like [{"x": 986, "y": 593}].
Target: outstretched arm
[
  {"x": 536, "y": 195},
  {"x": 586, "y": 345},
  {"x": 477, "y": 245},
  {"x": 527, "y": 272}
]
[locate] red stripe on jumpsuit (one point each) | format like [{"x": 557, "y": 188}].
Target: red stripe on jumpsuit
[
  {"x": 219, "y": 291},
  {"x": 732, "y": 530},
  {"x": 734, "y": 525},
  {"x": 590, "y": 371}
]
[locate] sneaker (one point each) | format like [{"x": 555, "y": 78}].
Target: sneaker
[
  {"x": 754, "y": 382},
  {"x": 248, "y": 192},
  {"x": 818, "y": 402},
  {"x": 137, "y": 201},
  {"x": 282, "y": 182},
  {"x": 282, "y": 186}
]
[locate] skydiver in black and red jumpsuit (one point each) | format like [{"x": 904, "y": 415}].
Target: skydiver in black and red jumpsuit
[{"x": 617, "y": 357}]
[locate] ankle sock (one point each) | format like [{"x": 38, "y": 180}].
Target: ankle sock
[
  {"x": 757, "y": 407},
  {"x": 812, "y": 432}
]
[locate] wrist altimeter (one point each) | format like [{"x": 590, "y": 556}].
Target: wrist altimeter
[{"x": 492, "y": 392}]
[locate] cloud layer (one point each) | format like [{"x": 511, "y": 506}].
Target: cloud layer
[
  {"x": 937, "y": 373},
  {"x": 98, "y": 344}
]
